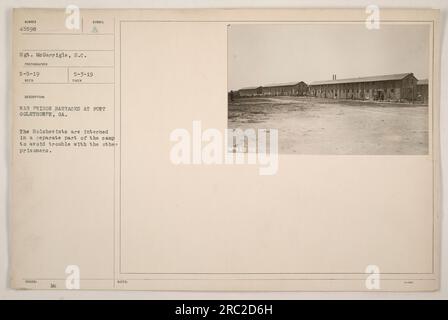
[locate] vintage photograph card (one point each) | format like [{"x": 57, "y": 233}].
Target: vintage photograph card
[{"x": 242, "y": 150}]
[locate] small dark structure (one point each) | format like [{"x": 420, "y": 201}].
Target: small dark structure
[{"x": 422, "y": 90}]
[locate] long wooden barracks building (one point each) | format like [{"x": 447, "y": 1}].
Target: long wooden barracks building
[
  {"x": 277, "y": 89},
  {"x": 250, "y": 92},
  {"x": 394, "y": 87},
  {"x": 285, "y": 89}
]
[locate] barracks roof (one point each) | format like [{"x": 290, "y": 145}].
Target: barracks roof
[
  {"x": 249, "y": 88},
  {"x": 398, "y": 76},
  {"x": 272, "y": 85},
  {"x": 285, "y": 84}
]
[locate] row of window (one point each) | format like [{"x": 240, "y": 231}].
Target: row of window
[{"x": 391, "y": 90}]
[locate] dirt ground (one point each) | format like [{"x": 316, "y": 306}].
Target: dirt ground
[{"x": 308, "y": 125}]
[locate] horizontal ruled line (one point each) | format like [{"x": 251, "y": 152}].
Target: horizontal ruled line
[
  {"x": 67, "y": 50},
  {"x": 65, "y": 34},
  {"x": 68, "y": 82},
  {"x": 68, "y": 66}
]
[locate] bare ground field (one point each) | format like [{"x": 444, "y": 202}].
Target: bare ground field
[{"x": 308, "y": 125}]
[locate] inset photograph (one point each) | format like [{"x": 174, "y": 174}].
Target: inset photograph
[{"x": 332, "y": 88}]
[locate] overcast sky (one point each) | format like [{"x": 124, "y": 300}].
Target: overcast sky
[{"x": 263, "y": 54}]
